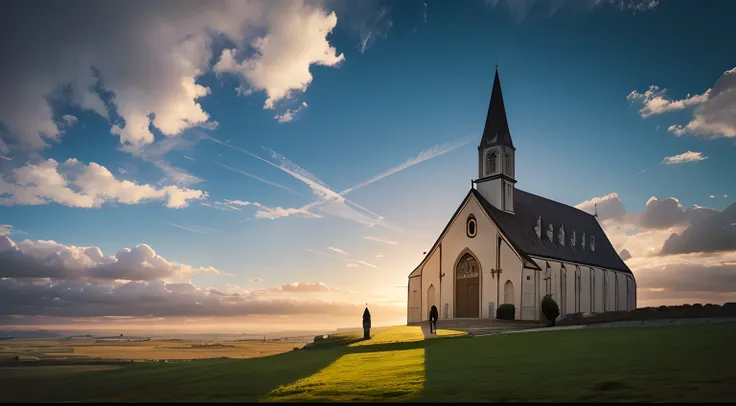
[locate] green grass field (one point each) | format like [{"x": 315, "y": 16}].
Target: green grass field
[{"x": 682, "y": 363}]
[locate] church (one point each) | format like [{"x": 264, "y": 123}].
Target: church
[{"x": 506, "y": 245}]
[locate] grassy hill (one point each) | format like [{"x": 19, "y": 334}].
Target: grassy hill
[{"x": 681, "y": 363}]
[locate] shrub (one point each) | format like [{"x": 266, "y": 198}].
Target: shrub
[
  {"x": 550, "y": 309},
  {"x": 506, "y": 311}
]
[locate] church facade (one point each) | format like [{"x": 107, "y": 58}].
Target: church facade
[{"x": 506, "y": 245}]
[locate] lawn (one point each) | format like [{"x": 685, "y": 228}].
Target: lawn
[{"x": 683, "y": 363}]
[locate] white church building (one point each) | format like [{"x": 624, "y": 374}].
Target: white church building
[{"x": 506, "y": 245}]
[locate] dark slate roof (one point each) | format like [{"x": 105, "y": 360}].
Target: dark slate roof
[
  {"x": 496, "y": 130},
  {"x": 519, "y": 229}
]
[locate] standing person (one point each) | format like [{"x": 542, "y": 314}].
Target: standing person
[
  {"x": 366, "y": 323},
  {"x": 433, "y": 316}
]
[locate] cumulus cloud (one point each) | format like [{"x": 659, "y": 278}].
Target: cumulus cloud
[
  {"x": 706, "y": 278},
  {"x": 654, "y": 101},
  {"x": 49, "y": 259},
  {"x": 608, "y": 207},
  {"x": 75, "y": 184},
  {"x": 153, "y": 299},
  {"x": 712, "y": 233},
  {"x": 713, "y": 114},
  {"x": 175, "y": 39},
  {"x": 662, "y": 213},
  {"x": 47, "y": 279},
  {"x": 69, "y": 120},
  {"x": 5, "y": 229},
  {"x": 290, "y": 114},
  {"x": 688, "y": 156},
  {"x": 677, "y": 255},
  {"x": 296, "y": 39}
]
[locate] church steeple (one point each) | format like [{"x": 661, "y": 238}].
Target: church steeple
[
  {"x": 496, "y": 154},
  {"x": 496, "y": 131}
]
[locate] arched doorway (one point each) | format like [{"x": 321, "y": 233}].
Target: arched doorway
[
  {"x": 430, "y": 298},
  {"x": 467, "y": 287},
  {"x": 508, "y": 293}
]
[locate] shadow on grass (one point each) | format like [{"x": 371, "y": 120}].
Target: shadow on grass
[
  {"x": 202, "y": 380},
  {"x": 647, "y": 364}
]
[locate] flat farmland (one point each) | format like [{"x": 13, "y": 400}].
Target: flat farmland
[{"x": 44, "y": 349}]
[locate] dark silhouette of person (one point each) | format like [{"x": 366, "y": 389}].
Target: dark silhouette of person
[
  {"x": 433, "y": 316},
  {"x": 366, "y": 323}
]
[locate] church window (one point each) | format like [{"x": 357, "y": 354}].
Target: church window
[
  {"x": 471, "y": 227},
  {"x": 592, "y": 243},
  {"x": 572, "y": 239},
  {"x": 528, "y": 278},
  {"x": 467, "y": 267},
  {"x": 507, "y": 163},
  {"x": 538, "y": 227},
  {"x": 561, "y": 235},
  {"x": 547, "y": 280},
  {"x": 582, "y": 241},
  {"x": 491, "y": 163},
  {"x": 509, "y": 196},
  {"x": 550, "y": 233}
]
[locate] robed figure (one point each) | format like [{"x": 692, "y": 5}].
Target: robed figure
[{"x": 366, "y": 324}]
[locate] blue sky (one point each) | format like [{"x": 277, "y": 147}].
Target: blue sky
[{"x": 413, "y": 76}]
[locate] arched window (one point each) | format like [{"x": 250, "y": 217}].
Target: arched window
[
  {"x": 507, "y": 163},
  {"x": 508, "y": 292},
  {"x": 561, "y": 235},
  {"x": 471, "y": 226},
  {"x": 467, "y": 267},
  {"x": 491, "y": 159}
]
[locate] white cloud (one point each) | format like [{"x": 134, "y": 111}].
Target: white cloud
[
  {"x": 338, "y": 250},
  {"x": 609, "y": 206},
  {"x": 688, "y": 156},
  {"x": 712, "y": 196},
  {"x": 290, "y": 114},
  {"x": 654, "y": 101},
  {"x": 75, "y": 184},
  {"x": 174, "y": 38},
  {"x": 295, "y": 40},
  {"x": 189, "y": 158},
  {"x": 380, "y": 256},
  {"x": 69, "y": 120},
  {"x": 713, "y": 115},
  {"x": 5, "y": 229},
  {"x": 305, "y": 287},
  {"x": 255, "y": 280},
  {"x": 376, "y": 239},
  {"x": 351, "y": 265},
  {"x": 49, "y": 259}
]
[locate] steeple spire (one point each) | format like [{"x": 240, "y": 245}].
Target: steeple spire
[{"x": 496, "y": 131}]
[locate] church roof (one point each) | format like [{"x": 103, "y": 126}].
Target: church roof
[
  {"x": 496, "y": 131},
  {"x": 519, "y": 228}
]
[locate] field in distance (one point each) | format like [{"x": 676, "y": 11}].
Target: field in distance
[{"x": 55, "y": 351}]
